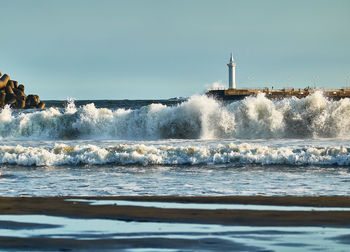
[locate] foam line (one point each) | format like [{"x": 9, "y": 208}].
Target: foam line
[{"x": 141, "y": 154}]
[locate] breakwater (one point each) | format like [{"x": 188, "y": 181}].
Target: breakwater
[
  {"x": 12, "y": 94},
  {"x": 239, "y": 94}
]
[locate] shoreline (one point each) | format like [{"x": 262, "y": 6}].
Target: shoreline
[
  {"x": 123, "y": 225},
  {"x": 59, "y": 206}
]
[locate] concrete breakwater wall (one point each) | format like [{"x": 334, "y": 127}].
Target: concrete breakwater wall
[
  {"x": 239, "y": 94},
  {"x": 12, "y": 93}
]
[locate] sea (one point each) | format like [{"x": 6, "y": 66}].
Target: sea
[
  {"x": 182, "y": 146},
  {"x": 195, "y": 146}
]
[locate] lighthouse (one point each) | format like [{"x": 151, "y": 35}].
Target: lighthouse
[{"x": 231, "y": 73}]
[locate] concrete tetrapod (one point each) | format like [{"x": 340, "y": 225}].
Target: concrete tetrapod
[{"x": 11, "y": 93}]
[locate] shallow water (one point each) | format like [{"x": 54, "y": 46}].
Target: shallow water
[
  {"x": 208, "y": 237},
  {"x": 95, "y": 180},
  {"x": 207, "y": 206}
]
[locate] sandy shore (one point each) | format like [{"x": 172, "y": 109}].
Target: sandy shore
[
  {"x": 45, "y": 244},
  {"x": 59, "y": 206}
]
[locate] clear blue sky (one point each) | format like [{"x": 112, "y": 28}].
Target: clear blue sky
[{"x": 140, "y": 49}]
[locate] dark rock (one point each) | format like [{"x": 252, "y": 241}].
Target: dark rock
[
  {"x": 3, "y": 81},
  {"x": 10, "y": 98},
  {"x": 37, "y": 99},
  {"x": 2, "y": 99},
  {"x": 30, "y": 102},
  {"x": 10, "y": 83},
  {"x": 21, "y": 87},
  {"x": 18, "y": 92},
  {"x": 9, "y": 89},
  {"x": 13, "y": 94},
  {"x": 41, "y": 105},
  {"x": 21, "y": 102}
]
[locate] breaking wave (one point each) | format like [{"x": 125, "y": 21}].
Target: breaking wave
[
  {"x": 198, "y": 118},
  {"x": 124, "y": 154}
]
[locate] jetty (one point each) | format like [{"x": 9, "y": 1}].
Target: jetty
[
  {"x": 232, "y": 93},
  {"x": 239, "y": 94}
]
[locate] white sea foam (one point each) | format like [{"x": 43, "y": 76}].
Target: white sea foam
[
  {"x": 141, "y": 154},
  {"x": 198, "y": 118}
]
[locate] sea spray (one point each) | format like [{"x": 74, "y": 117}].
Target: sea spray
[{"x": 200, "y": 117}]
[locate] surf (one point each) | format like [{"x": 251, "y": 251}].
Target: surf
[
  {"x": 232, "y": 154},
  {"x": 199, "y": 117}
]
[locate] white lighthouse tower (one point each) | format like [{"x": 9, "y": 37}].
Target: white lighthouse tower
[{"x": 231, "y": 73}]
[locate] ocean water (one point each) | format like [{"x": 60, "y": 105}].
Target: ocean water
[{"x": 194, "y": 146}]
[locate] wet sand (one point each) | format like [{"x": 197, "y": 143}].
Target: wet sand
[
  {"x": 73, "y": 208},
  {"x": 59, "y": 206},
  {"x": 44, "y": 244}
]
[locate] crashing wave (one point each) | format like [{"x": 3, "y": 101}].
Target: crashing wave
[
  {"x": 198, "y": 118},
  {"x": 140, "y": 154}
]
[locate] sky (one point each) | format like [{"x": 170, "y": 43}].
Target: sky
[{"x": 159, "y": 49}]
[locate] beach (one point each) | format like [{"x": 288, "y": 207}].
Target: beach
[
  {"x": 79, "y": 208},
  {"x": 59, "y": 206},
  {"x": 175, "y": 126},
  {"x": 175, "y": 175}
]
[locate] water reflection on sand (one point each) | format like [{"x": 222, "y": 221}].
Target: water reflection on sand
[
  {"x": 198, "y": 236},
  {"x": 209, "y": 206}
]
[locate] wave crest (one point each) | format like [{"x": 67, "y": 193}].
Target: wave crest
[
  {"x": 198, "y": 118},
  {"x": 140, "y": 154}
]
